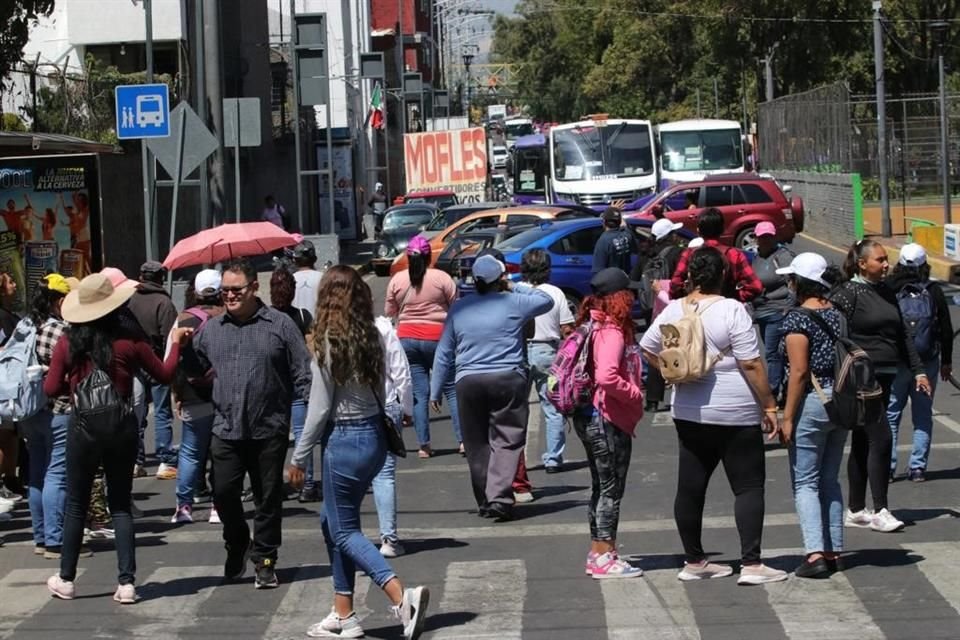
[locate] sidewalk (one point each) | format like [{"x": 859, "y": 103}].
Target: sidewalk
[{"x": 941, "y": 267}]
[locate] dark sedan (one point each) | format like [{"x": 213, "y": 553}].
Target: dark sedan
[{"x": 400, "y": 223}]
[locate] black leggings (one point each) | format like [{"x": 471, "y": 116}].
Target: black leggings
[
  {"x": 608, "y": 452},
  {"x": 870, "y": 457},
  {"x": 702, "y": 448}
]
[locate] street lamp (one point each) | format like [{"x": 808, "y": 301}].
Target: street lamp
[
  {"x": 467, "y": 61},
  {"x": 939, "y": 31}
]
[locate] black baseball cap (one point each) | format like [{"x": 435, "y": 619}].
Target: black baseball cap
[
  {"x": 304, "y": 251},
  {"x": 611, "y": 214},
  {"x": 611, "y": 280}
]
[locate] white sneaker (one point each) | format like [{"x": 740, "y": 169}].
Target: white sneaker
[
  {"x": 126, "y": 594},
  {"x": 412, "y": 611},
  {"x": 60, "y": 588},
  {"x": 704, "y": 571},
  {"x": 885, "y": 522},
  {"x": 214, "y": 516},
  {"x": 523, "y": 496},
  {"x": 183, "y": 515},
  {"x": 861, "y": 519},
  {"x": 391, "y": 549},
  {"x": 333, "y": 626},
  {"x": 760, "y": 574}
]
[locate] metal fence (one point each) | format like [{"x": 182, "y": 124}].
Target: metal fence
[{"x": 830, "y": 130}]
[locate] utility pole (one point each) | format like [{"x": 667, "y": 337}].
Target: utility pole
[
  {"x": 886, "y": 225},
  {"x": 939, "y": 30},
  {"x": 202, "y": 113},
  {"x": 149, "y": 221},
  {"x": 212, "y": 53},
  {"x": 768, "y": 70}
]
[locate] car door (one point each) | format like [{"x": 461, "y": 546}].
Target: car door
[
  {"x": 477, "y": 224},
  {"x": 721, "y": 196},
  {"x": 678, "y": 207},
  {"x": 572, "y": 259}
]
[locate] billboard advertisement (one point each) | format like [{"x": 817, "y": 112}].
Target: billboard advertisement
[
  {"x": 454, "y": 160},
  {"x": 50, "y": 206},
  {"x": 344, "y": 199}
]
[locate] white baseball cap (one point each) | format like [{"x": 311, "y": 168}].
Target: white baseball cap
[
  {"x": 809, "y": 266},
  {"x": 913, "y": 255},
  {"x": 663, "y": 227},
  {"x": 696, "y": 243},
  {"x": 207, "y": 282},
  {"x": 488, "y": 269}
]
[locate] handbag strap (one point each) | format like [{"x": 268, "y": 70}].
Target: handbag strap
[
  {"x": 379, "y": 401},
  {"x": 819, "y": 390}
]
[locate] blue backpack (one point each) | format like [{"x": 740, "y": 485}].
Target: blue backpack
[
  {"x": 920, "y": 314},
  {"x": 21, "y": 375}
]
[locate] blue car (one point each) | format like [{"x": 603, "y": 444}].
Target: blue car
[{"x": 570, "y": 244}]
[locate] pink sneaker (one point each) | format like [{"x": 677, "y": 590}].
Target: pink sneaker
[
  {"x": 592, "y": 559},
  {"x": 60, "y": 588},
  {"x": 609, "y": 565}
]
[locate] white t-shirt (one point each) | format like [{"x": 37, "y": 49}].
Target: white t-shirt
[
  {"x": 548, "y": 324},
  {"x": 308, "y": 283},
  {"x": 723, "y": 396}
]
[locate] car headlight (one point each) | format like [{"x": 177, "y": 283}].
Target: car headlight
[{"x": 383, "y": 251}]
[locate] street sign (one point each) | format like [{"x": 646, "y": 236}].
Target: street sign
[
  {"x": 247, "y": 111},
  {"x": 143, "y": 111},
  {"x": 197, "y": 142}
]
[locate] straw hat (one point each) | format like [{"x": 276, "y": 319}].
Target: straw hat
[{"x": 93, "y": 299}]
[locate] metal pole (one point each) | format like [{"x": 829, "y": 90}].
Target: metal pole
[
  {"x": 886, "y": 225},
  {"x": 905, "y": 141},
  {"x": 201, "y": 109},
  {"x": 149, "y": 240},
  {"x": 177, "y": 175},
  {"x": 716, "y": 99},
  {"x": 768, "y": 73},
  {"x": 296, "y": 112},
  {"x": 236, "y": 158},
  {"x": 212, "y": 50},
  {"x": 386, "y": 138},
  {"x": 944, "y": 144},
  {"x": 329, "y": 125}
]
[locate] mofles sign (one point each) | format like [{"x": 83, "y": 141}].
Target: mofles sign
[{"x": 454, "y": 160}]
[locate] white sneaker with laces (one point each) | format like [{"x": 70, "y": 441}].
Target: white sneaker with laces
[
  {"x": 885, "y": 522},
  {"x": 760, "y": 574},
  {"x": 704, "y": 571},
  {"x": 861, "y": 519},
  {"x": 412, "y": 611},
  {"x": 60, "y": 588},
  {"x": 126, "y": 594},
  {"x": 522, "y": 497},
  {"x": 183, "y": 515},
  {"x": 333, "y": 626},
  {"x": 391, "y": 548}
]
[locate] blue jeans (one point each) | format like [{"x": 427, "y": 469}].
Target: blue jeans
[
  {"x": 385, "y": 486},
  {"x": 194, "y": 444},
  {"x": 815, "y": 457},
  {"x": 163, "y": 424},
  {"x": 420, "y": 355},
  {"x": 47, "y": 446},
  {"x": 298, "y": 416},
  {"x": 771, "y": 330},
  {"x": 921, "y": 410},
  {"x": 353, "y": 454},
  {"x": 540, "y": 356}
]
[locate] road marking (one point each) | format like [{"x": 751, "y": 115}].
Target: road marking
[
  {"x": 308, "y": 599},
  {"x": 493, "y": 591},
  {"x": 949, "y": 423},
  {"x": 819, "y": 609},
  {"x": 939, "y": 566},
  {"x": 24, "y": 594},
  {"x": 662, "y": 419},
  {"x": 655, "y": 604},
  {"x": 171, "y": 598}
]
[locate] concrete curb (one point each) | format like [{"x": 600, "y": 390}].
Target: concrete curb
[{"x": 940, "y": 268}]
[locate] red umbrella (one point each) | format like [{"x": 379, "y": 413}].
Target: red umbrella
[{"x": 228, "y": 241}]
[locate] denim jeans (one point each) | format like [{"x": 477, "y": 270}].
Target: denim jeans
[
  {"x": 162, "y": 420},
  {"x": 298, "y": 416},
  {"x": 47, "y": 446},
  {"x": 815, "y": 458},
  {"x": 540, "y": 356},
  {"x": 385, "y": 486},
  {"x": 194, "y": 444},
  {"x": 353, "y": 454},
  {"x": 921, "y": 409},
  {"x": 420, "y": 356},
  {"x": 771, "y": 330}
]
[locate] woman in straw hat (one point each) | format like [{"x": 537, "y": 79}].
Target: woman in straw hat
[{"x": 97, "y": 339}]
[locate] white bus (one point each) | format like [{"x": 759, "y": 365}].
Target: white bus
[
  {"x": 693, "y": 149},
  {"x": 514, "y": 128},
  {"x": 598, "y": 160}
]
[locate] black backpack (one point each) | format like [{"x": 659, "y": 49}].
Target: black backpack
[
  {"x": 857, "y": 399},
  {"x": 99, "y": 410},
  {"x": 656, "y": 268}
]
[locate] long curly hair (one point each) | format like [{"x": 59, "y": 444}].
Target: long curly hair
[
  {"x": 345, "y": 339},
  {"x": 618, "y": 307}
]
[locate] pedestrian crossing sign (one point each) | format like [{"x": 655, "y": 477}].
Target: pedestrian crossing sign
[{"x": 143, "y": 111}]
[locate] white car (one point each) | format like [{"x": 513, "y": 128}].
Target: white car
[{"x": 500, "y": 154}]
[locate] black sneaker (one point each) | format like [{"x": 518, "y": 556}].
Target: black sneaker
[
  {"x": 236, "y": 565},
  {"x": 309, "y": 495},
  {"x": 817, "y": 569},
  {"x": 917, "y": 475},
  {"x": 247, "y": 495},
  {"x": 499, "y": 512},
  {"x": 266, "y": 576}
]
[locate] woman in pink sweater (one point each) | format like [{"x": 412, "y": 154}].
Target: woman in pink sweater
[{"x": 618, "y": 405}]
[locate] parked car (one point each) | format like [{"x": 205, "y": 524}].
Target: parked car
[
  {"x": 400, "y": 223},
  {"x": 469, "y": 244},
  {"x": 506, "y": 217},
  {"x": 499, "y": 155},
  {"x": 745, "y": 199},
  {"x": 454, "y": 214},
  {"x": 443, "y": 198},
  {"x": 570, "y": 244}
]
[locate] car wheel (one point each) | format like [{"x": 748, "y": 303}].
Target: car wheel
[
  {"x": 747, "y": 239},
  {"x": 573, "y": 302},
  {"x": 382, "y": 270}
]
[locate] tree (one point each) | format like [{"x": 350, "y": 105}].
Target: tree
[{"x": 16, "y": 17}]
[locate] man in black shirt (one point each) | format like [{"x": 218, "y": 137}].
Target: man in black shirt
[{"x": 616, "y": 245}]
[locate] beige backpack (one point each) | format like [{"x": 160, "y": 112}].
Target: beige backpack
[{"x": 683, "y": 345}]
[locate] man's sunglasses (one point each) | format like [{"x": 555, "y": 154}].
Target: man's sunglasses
[{"x": 226, "y": 291}]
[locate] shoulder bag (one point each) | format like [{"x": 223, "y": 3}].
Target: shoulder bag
[{"x": 391, "y": 431}]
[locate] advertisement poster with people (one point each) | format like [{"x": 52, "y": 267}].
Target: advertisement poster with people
[
  {"x": 51, "y": 219},
  {"x": 343, "y": 195}
]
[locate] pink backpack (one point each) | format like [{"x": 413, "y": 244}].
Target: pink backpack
[{"x": 570, "y": 381}]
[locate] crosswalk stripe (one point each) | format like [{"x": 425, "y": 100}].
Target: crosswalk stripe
[
  {"x": 655, "y": 603},
  {"x": 24, "y": 594},
  {"x": 173, "y": 590},
  {"x": 492, "y": 590},
  {"x": 941, "y": 560},
  {"x": 819, "y": 609},
  {"x": 307, "y": 601}
]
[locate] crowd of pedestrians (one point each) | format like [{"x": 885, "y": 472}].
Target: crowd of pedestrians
[{"x": 748, "y": 344}]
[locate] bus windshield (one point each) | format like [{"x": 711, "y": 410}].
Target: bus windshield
[
  {"x": 516, "y": 129},
  {"x": 529, "y": 170},
  {"x": 586, "y": 152},
  {"x": 701, "y": 150}
]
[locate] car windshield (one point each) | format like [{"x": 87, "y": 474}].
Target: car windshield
[
  {"x": 701, "y": 150},
  {"x": 525, "y": 239},
  {"x": 593, "y": 153},
  {"x": 399, "y": 218}
]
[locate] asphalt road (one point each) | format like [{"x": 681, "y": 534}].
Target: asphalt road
[{"x": 525, "y": 579}]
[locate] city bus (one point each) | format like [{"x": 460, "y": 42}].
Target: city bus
[
  {"x": 528, "y": 167},
  {"x": 598, "y": 160},
  {"x": 694, "y": 149},
  {"x": 514, "y": 128}
]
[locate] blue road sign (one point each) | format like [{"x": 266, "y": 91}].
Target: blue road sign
[{"x": 143, "y": 111}]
